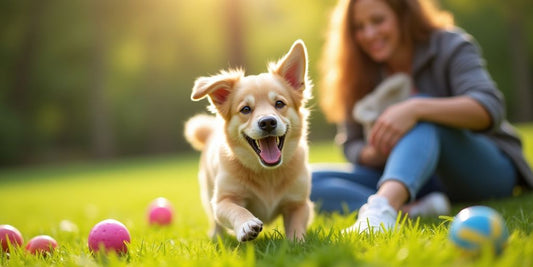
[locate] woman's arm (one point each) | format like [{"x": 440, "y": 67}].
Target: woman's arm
[
  {"x": 458, "y": 112},
  {"x": 473, "y": 101}
]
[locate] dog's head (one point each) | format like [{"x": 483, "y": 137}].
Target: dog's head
[{"x": 264, "y": 114}]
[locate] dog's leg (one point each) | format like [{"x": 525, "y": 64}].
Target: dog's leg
[
  {"x": 246, "y": 226},
  {"x": 296, "y": 218},
  {"x": 216, "y": 230}
]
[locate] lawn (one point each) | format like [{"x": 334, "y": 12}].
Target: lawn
[{"x": 37, "y": 200}]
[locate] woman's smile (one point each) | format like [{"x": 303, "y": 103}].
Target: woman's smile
[{"x": 376, "y": 29}]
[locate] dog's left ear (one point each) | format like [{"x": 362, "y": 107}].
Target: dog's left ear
[{"x": 293, "y": 66}]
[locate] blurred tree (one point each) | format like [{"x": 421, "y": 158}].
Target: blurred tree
[
  {"x": 160, "y": 58},
  {"x": 516, "y": 13},
  {"x": 234, "y": 25},
  {"x": 107, "y": 78},
  {"x": 20, "y": 92},
  {"x": 102, "y": 139}
]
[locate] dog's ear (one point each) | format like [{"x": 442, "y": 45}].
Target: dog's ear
[
  {"x": 217, "y": 88},
  {"x": 293, "y": 66}
]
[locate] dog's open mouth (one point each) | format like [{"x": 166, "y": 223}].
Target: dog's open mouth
[{"x": 268, "y": 149}]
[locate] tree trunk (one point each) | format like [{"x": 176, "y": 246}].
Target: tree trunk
[
  {"x": 102, "y": 140},
  {"x": 19, "y": 97},
  {"x": 161, "y": 131},
  {"x": 235, "y": 33},
  {"x": 522, "y": 109}
]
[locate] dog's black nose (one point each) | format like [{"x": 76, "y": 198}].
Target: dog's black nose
[{"x": 268, "y": 123}]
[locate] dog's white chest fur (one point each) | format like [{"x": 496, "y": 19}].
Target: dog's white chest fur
[
  {"x": 266, "y": 206},
  {"x": 266, "y": 209}
]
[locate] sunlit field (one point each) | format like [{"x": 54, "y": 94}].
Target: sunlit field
[{"x": 36, "y": 200}]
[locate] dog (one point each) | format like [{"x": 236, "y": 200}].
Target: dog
[
  {"x": 254, "y": 161},
  {"x": 392, "y": 90}
]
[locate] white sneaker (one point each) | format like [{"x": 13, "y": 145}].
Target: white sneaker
[
  {"x": 434, "y": 204},
  {"x": 372, "y": 215}
]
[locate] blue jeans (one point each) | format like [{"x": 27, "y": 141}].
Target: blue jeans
[{"x": 465, "y": 165}]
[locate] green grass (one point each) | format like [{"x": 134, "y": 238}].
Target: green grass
[{"x": 37, "y": 199}]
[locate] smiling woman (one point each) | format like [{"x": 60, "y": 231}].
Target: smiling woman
[
  {"x": 375, "y": 29},
  {"x": 414, "y": 23},
  {"x": 448, "y": 137}
]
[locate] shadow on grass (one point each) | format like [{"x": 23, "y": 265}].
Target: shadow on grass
[{"x": 320, "y": 248}]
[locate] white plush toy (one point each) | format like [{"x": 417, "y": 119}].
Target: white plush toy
[{"x": 392, "y": 90}]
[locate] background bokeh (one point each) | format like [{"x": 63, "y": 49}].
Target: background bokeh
[{"x": 98, "y": 79}]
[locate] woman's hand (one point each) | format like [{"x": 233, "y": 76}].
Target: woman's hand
[
  {"x": 392, "y": 125},
  {"x": 457, "y": 112}
]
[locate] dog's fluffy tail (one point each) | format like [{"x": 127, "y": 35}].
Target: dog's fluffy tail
[{"x": 198, "y": 129}]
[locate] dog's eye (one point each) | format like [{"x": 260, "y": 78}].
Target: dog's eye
[
  {"x": 280, "y": 104},
  {"x": 246, "y": 110}
]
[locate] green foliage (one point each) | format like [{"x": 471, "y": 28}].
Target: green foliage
[
  {"x": 37, "y": 200},
  {"x": 65, "y": 64},
  {"x": 74, "y": 73}
]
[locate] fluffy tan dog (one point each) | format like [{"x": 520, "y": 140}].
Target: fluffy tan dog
[{"x": 254, "y": 162}]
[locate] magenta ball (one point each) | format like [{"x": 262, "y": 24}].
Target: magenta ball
[
  {"x": 41, "y": 244},
  {"x": 160, "y": 212},
  {"x": 110, "y": 235},
  {"x": 10, "y": 234}
]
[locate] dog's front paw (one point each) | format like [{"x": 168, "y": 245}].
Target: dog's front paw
[{"x": 249, "y": 230}]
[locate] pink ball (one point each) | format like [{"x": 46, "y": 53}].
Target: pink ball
[
  {"x": 41, "y": 244},
  {"x": 111, "y": 235},
  {"x": 160, "y": 212},
  {"x": 8, "y": 232}
]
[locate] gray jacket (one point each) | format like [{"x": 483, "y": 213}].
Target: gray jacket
[{"x": 448, "y": 65}]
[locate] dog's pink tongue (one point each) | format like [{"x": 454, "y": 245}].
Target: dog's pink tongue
[{"x": 270, "y": 152}]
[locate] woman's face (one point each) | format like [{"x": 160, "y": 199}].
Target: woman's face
[{"x": 376, "y": 29}]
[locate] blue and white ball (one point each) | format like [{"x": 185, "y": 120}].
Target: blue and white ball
[{"x": 479, "y": 227}]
